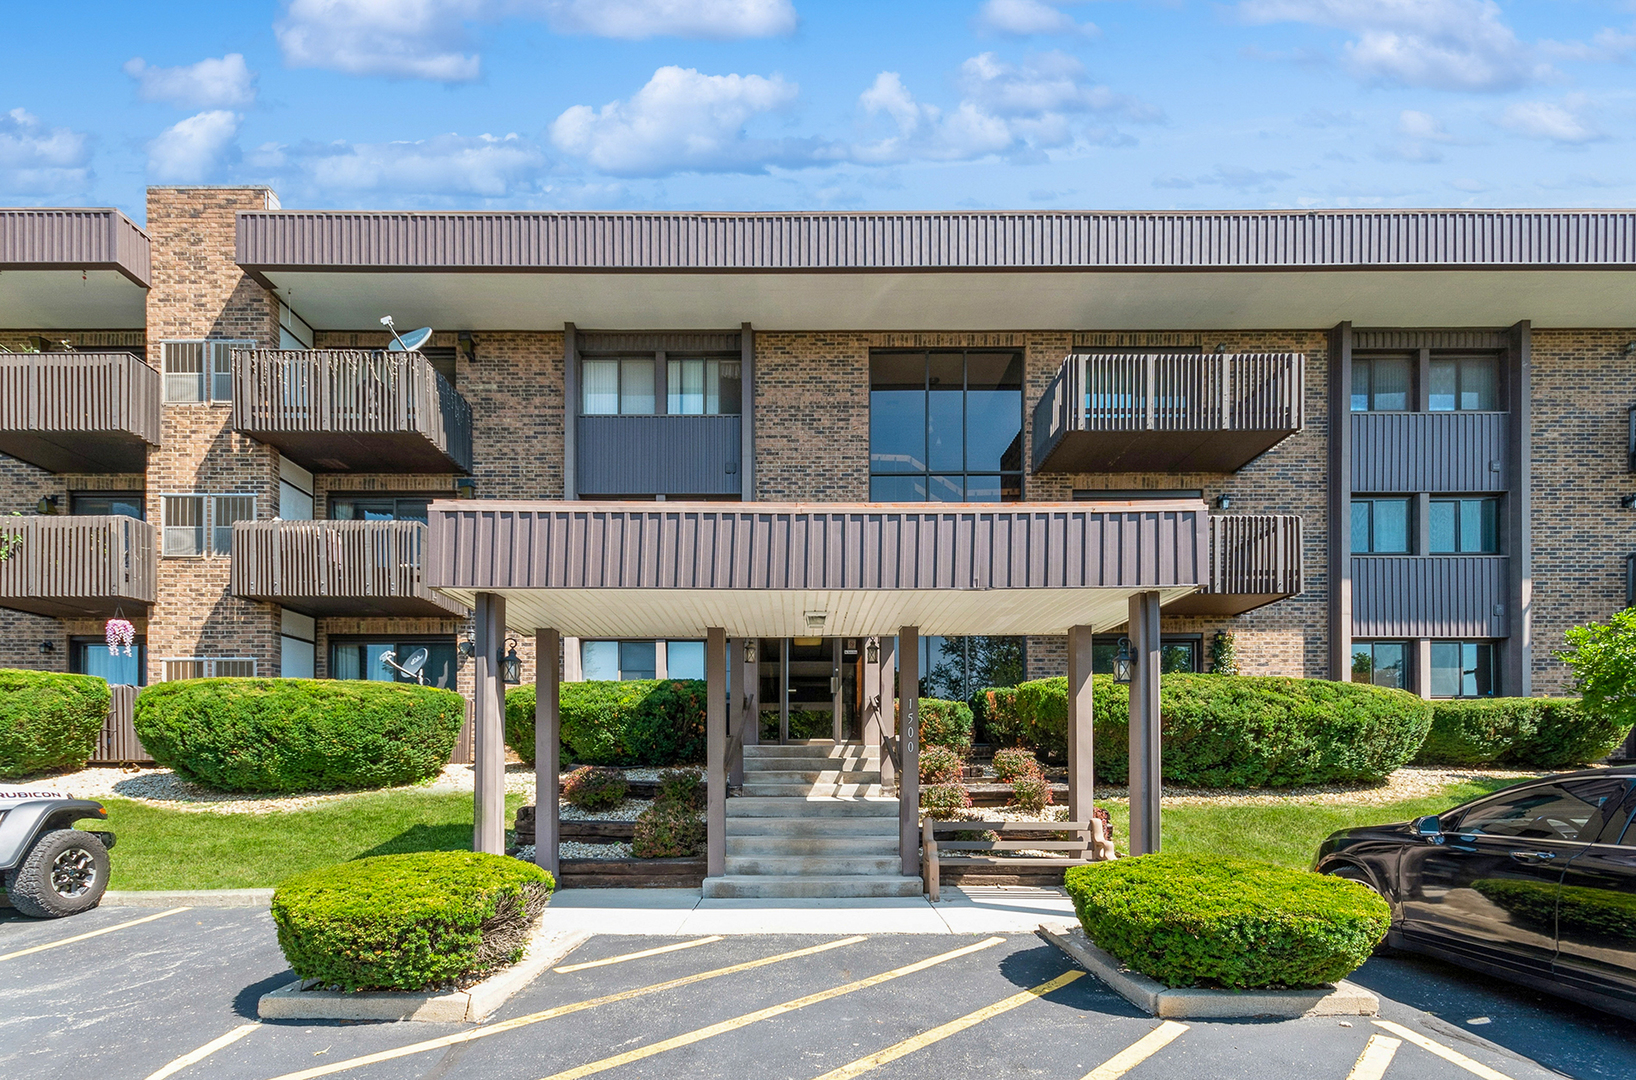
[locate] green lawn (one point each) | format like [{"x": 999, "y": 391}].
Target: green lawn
[{"x": 173, "y": 849}]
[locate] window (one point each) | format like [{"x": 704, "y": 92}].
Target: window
[
  {"x": 1381, "y": 663},
  {"x": 1571, "y": 810},
  {"x": 1382, "y": 383},
  {"x": 200, "y": 371},
  {"x": 364, "y": 658},
  {"x": 702, "y": 387},
  {"x": 617, "y": 386},
  {"x": 684, "y": 660},
  {"x": 1461, "y": 383},
  {"x": 190, "y": 519},
  {"x": 297, "y": 653},
  {"x": 1462, "y": 669},
  {"x": 1465, "y": 526},
  {"x": 209, "y": 668},
  {"x": 945, "y": 426},
  {"x": 108, "y": 503},
  {"x": 955, "y": 668},
  {"x": 90, "y": 656},
  {"x": 616, "y": 661},
  {"x": 378, "y": 507},
  {"x": 1380, "y": 526},
  {"x": 1176, "y": 654}
]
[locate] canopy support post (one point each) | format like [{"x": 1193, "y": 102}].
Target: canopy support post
[
  {"x": 885, "y": 711},
  {"x": 1081, "y": 752},
  {"x": 909, "y": 749},
  {"x": 1144, "y": 724},
  {"x": 715, "y": 733},
  {"x": 547, "y": 748},
  {"x": 488, "y": 728}
]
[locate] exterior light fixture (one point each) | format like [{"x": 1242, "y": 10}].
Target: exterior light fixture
[
  {"x": 749, "y": 650},
  {"x": 48, "y": 647},
  {"x": 816, "y": 620},
  {"x": 47, "y": 505},
  {"x": 1223, "y": 502},
  {"x": 871, "y": 651},
  {"x": 1123, "y": 662},
  {"x": 1627, "y": 501},
  {"x": 465, "y": 487},
  {"x": 466, "y": 648},
  {"x": 511, "y": 665}
]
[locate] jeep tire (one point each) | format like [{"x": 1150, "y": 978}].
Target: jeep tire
[{"x": 64, "y": 873}]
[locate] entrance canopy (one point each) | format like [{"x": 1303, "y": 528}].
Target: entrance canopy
[{"x": 807, "y": 570}]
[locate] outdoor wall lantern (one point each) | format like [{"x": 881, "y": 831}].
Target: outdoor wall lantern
[
  {"x": 1123, "y": 662},
  {"x": 466, "y": 647},
  {"x": 465, "y": 487},
  {"x": 1223, "y": 502},
  {"x": 511, "y": 665},
  {"x": 47, "y": 505},
  {"x": 871, "y": 651},
  {"x": 749, "y": 650}
]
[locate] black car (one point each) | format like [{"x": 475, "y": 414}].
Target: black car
[{"x": 1536, "y": 883}]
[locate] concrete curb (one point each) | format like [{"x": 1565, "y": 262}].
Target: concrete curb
[
  {"x": 545, "y": 948},
  {"x": 215, "y": 898},
  {"x": 1344, "y": 999}
]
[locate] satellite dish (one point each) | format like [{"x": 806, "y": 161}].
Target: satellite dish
[
  {"x": 416, "y": 661},
  {"x": 411, "y": 668},
  {"x": 411, "y": 341}
]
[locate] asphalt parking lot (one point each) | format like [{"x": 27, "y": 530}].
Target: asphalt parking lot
[{"x": 155, "y": 994}]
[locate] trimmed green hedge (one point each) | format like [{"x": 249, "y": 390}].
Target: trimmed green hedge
[
  {"x": 1545, "y": 733},
  {"x": 945, "y": 723},
  {"x": 1189, "y": 920},
  {"x": 408, "y": 922},
  {"x": 49, "y": 720},
  {"x": 285, "y": 735},
  {"x": 639, "y": 722},
  {"x": 1231, "y": 731}
]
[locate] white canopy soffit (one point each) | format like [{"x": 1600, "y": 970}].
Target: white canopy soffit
[
  {"x": 809, "y": 570},
  {"x": 79, "y": 269}
]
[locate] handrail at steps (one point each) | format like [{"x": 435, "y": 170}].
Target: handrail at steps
[{"x": 1093, "y": 848}]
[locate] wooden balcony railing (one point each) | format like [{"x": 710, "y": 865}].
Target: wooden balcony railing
[
  {"x": 1167, "y": 412},
  {"x": 79, "y": 412},
  {"x": 77, "y": 567},
  {"x": 352, "y": 409},
  {"x": 1255, "y": 560},
  {"x": 336, "y": 567}
]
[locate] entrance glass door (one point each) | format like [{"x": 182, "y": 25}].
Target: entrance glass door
[{"x": 811, "y": 689}]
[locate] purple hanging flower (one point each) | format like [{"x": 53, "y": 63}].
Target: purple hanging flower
[{"x": 120, "y": 632}]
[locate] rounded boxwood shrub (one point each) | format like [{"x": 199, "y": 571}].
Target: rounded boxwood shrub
[
  {"x": 49, "y": 720},
  {"x": 667, "y": 831},
  {"x": 1546, "y": 733},
  {"x": 1189, "y": 920},
  {"x": 945, "y": 723},
  {"x": 1013, "y": 762},
  {"x": 408, "y": 922},
  {"x": 639, "y": 722},
  {"x": 1241, "y": 730},
  {"x": 282, "y": 735},
  {"x": 944, "y": 801},
  {"x": 681, "y": 787},
  {"x": 940, "y": 765},
  {"x": 593, "y": 787}
]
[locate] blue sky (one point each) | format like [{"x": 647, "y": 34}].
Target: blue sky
[{"x": 802, "y": 104}]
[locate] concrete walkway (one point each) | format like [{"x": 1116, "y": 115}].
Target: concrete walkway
[{"x": 969, "y": 910}]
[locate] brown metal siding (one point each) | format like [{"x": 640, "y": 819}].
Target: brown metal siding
[
  {"x": 78, "y": 565},
  {"x": 1435, "y": 596},
  {"x": 74, "y": 240},
  {"x": 79, "y": 392},
  {"x": 680, "y": 341},
  {"x": 589, "y": 546},
  {"x": 348, "y": 565},
  {"x": 1435, "y": 452},
  {"x": 858, "y": 241},
  {"x": 1456, "y": 338},
  {"x": 658, "y": 455}
]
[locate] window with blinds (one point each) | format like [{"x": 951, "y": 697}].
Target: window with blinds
[
  {"x": 197, "y": 525},
  {"x": 199, "y": 371}
]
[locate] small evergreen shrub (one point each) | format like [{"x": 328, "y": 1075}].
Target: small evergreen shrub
[
  {"x": 408, "y": 922},
  {"x": 940, "y": 765},
  {"x": 944, "y": 801},
  {"x": 994, "y": 716},
  {"x": 1014, "y": 762},
  {"x": 811, "y": 724},
  {"x": 592, "y": 787},
  {"x": 1031, "y": 792},
  {"x": 639, "y": 722},
  {"x": 1191, "y": 920},
  {"x": 49, "y": 720},
  {"x": 667, "y": 831},
  {"x": 1545, "y": 733},
  {"x": 945, "y": 723},
  {"x": 684, "y": 788},
  {"x": 285, "y": 735}
]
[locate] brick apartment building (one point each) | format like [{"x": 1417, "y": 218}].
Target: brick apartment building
[{"x": 1413, "y": 428}]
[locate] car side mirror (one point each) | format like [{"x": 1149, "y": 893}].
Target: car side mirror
[{"x": 1429, "y": 827}]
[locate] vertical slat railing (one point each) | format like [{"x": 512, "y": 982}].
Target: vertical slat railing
[
  {"x": 79, "y": 558},
  {"x": 1185, "y": 391},
  {"x": 80, "y": 392},
  {"x": 308, "y": 559},
  {"x": 1255, "y": 554}
]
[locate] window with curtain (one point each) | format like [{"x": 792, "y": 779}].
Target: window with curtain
[
  {"x": 90, "y": 656},
  {"x": 1382, "y": 383},
  {"x": 1465, "y": 526},
  {"x": 1463, "y": 669},
  {"x": 702, "y": 386},
  {"x": 1460, "y": 383},
  {"x": 617, "y": 386},
  {"x": 1381, "y": 526},
  {"x": 196, "y": 525}
]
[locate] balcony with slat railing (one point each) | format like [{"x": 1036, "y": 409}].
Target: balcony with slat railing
[
  {"x": 337, "y": 567},
  {"x": 1255, "y": 560},
  {"x": 79, "y": 412},
  {"x": 352, "y": 410},
  {"x": 77, "y": 567},
  {"x": 1167, "y": 412}
]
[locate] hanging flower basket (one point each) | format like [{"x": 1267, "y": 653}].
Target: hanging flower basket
[{"x": 120, "y": 632}]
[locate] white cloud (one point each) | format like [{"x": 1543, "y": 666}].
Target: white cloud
[
  {"x": 36, "y": 160},
  {"x": 683, "y": 121},
  {"x": 488, "y": 166},
  {"x": 1447, "y": 44},
  {"x": 1234, "y": 177},
  {"x": 1413, "y": 124},
  {"x": 1558, "y": 123},
  {"x": 223, "y": 83},
  {"x": 431, "y": 39},
  {"x": 1024, "y": 18},
  {"x": 190, "y": 151},
  {"x": 1004, "y": 108}
]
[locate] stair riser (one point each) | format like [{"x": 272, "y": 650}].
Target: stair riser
[
  {"x": 813, "y": 828},
  {"x": 762, "y": 806},
  {"x": 774, "y": 888},
  {"x": 802, "y": 791},
  {"x": 813, "y": 865},
  {"x": 815, "y": 776},
  {"x": 805, "y": 753},
  {"x": 801, "y": 845}
]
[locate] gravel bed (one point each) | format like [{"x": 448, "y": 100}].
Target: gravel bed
[
  {"x": 573, "y": 849},
  {"x": 625, "y": 811},
  {"x": 1409, "y": 782}
]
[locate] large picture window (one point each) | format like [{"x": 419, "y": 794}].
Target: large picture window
[
  {"x": 378, "y": 507},
  {"x": 616, "y": 661},
  {"x": 945, "y": 426},
  {"x": 364, "y": 658},
  {"x": 91, "y": 656},
  {"x": 1465, "y": 526},
  {"x": 1381, "y": 526},
  {"x": 1463, "y": 669}
]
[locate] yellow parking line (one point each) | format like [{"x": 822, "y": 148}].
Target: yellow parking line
[
  {"x": 943, "y": 1031},
  {"x": 203, "y": 1052},
  {"x": 92, "y": 934},
  {"x": 1137, "y": 1052},
  {"x": 560, "y": 1010},
  {"x": 636, "y": 955},
  {"x": 1452, "y": 1056},
  {"x": 1375, "y": 1059},
  {"x": 768, "y": 1013}
]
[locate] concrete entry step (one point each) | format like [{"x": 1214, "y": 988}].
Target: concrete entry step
[
  {"x": 819, "y": 750},
  {"x": 772, "y": 886},
  {"x": 855, "y": 828},
  {"x": 757, "y": 788},
  {"x": 818, "y": 807},
  {"x": 786, "y": 844},
  {"x": 810, "y": 866},
  {"x": 813, "y": 776}
]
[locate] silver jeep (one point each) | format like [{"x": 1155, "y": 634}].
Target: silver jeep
[{"x": 48, "y": 867}]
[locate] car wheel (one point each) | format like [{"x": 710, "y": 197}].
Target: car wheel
[{"x": 64, "y": 873}]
